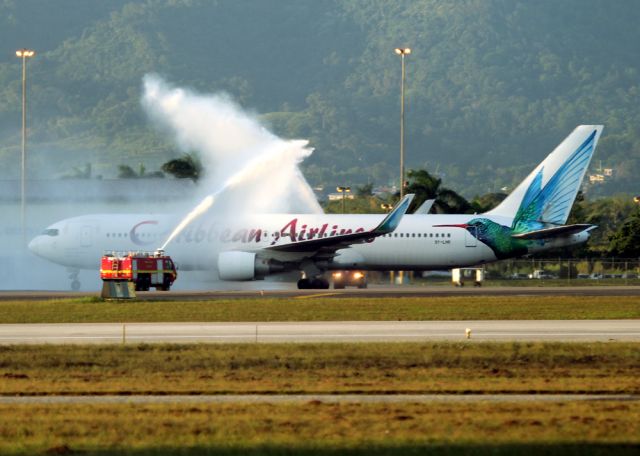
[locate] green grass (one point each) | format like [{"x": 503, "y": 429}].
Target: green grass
[
  {"x": 323, "y": 309},
  {"x": 316, "y": 428},
  {"x": 432, "y": 367}
]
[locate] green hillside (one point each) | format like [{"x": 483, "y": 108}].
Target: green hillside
[{"x": 492, "y": 86}]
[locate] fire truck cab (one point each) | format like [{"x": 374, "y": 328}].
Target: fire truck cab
[{"x": 144, "y": 269}]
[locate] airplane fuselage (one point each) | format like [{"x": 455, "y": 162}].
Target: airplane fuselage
[{"x": 418, "y": 243}]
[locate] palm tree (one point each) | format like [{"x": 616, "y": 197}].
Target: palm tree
[
  {"x": 425, "y": 186},
  {"x": 186, "y": 167}
]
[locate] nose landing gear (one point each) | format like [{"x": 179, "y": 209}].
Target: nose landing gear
[{"x": 73, "y": 275}]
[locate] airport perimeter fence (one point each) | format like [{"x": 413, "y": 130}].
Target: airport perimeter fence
[
  {"x": 576, "y": 269},
  {"x": 528, "y": 272}
]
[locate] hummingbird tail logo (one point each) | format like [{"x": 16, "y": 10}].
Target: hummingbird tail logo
[{"x": 547, "y": 200}]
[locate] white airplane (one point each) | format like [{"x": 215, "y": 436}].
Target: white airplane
[{"x": 531, "y": 219}]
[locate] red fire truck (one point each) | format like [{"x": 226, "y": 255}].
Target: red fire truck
[{"x": 144, "y": 269}]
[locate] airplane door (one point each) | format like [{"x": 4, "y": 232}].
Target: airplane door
[
  {"x": 85, "y": 236},
  {"x": 470, "y": 239}
]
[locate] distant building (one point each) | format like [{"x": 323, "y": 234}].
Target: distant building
[{"x": 338, "y": 196}]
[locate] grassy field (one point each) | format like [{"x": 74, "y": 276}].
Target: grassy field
[
  {"x": 316, "y": 428},
  {"x": 321, "y": 368},
  {"x": 323, "y": 309}
]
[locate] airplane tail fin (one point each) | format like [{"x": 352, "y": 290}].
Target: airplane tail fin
[{"x": 545, "y": 197}]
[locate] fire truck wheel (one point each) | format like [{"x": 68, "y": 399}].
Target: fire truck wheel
[
  {"x": 75, "y": 285},
  {"x": 143, "y": 283},
  {"x": 166, "y": 282}
]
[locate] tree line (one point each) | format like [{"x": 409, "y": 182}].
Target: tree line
[{"x": 491, "y": 87}]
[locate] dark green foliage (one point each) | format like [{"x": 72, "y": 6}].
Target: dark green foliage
[
  {"x": 126, "y": 172},
  {"x": 425, "y": 186},
  {"x": 185, "y": 167},
  {"x": 487, "y": 202},
  {"x": 365, "y": 190},
  {"x": 491, "y": 87},
  {"x": 625, "y": 242}
]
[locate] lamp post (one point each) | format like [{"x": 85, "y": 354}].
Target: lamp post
[
  {"x": 402, "y": 52},
  {"x": 386, "y": 207},
  {"x": 24, "y": 54},
  {"x": 344, "y": 191}
]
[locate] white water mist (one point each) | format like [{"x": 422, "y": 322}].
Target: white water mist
[
  {"x": 227, "y": 140},
  {"x": 247, "y": 168}
]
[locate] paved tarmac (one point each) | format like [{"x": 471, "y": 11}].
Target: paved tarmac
[
  {"x": 316, "y": 398},
  {"x": 270, "y": 332},
  {"x": 375, "y": 291}
]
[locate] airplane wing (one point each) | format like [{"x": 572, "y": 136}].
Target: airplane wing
[
  {"x": 333, "y": 243},
  {"x": 555, "y": 231}
]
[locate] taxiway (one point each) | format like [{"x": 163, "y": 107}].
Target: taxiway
[{"x": 300, "y": 332}]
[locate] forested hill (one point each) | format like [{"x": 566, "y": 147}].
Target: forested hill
[{"x": 492, "y": 86}]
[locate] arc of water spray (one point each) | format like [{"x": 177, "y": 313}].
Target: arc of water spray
[
  {"x": 241, "y": 176},
  {"x": 200, "y": 209}
]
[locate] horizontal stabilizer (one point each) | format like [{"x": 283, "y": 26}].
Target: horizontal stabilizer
[{"x": 556, "y": 231}]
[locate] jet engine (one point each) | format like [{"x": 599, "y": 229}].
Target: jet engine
[{"x": 236, "y": 266}]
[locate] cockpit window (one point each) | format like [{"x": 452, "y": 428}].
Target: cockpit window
[{"x": 51, "y": 232}]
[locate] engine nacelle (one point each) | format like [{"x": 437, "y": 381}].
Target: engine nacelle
[{"x": 236, "y": 266}]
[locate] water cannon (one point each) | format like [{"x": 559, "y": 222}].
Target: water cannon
[{"x": 159, "y": 253}]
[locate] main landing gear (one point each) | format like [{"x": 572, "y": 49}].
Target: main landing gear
[{"x": 315, "y": 283}]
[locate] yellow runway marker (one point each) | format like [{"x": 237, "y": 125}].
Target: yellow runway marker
[{"x": 317, "y": 295}]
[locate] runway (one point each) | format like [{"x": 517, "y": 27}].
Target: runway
[
  {"x": 316, "y": 398},
  {"x": 300, "y": 332},
  {"x": 375, "y": 291}
]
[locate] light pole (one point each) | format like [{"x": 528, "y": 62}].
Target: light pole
[
  {"x": 344, "y": 191},
  {"x": 402, "y": 52},
  {"x": 386, "y": 207},
  {"x": 24, "y": 54}
]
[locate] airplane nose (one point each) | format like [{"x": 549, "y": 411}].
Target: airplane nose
[{"x": 35, "y": 245}]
